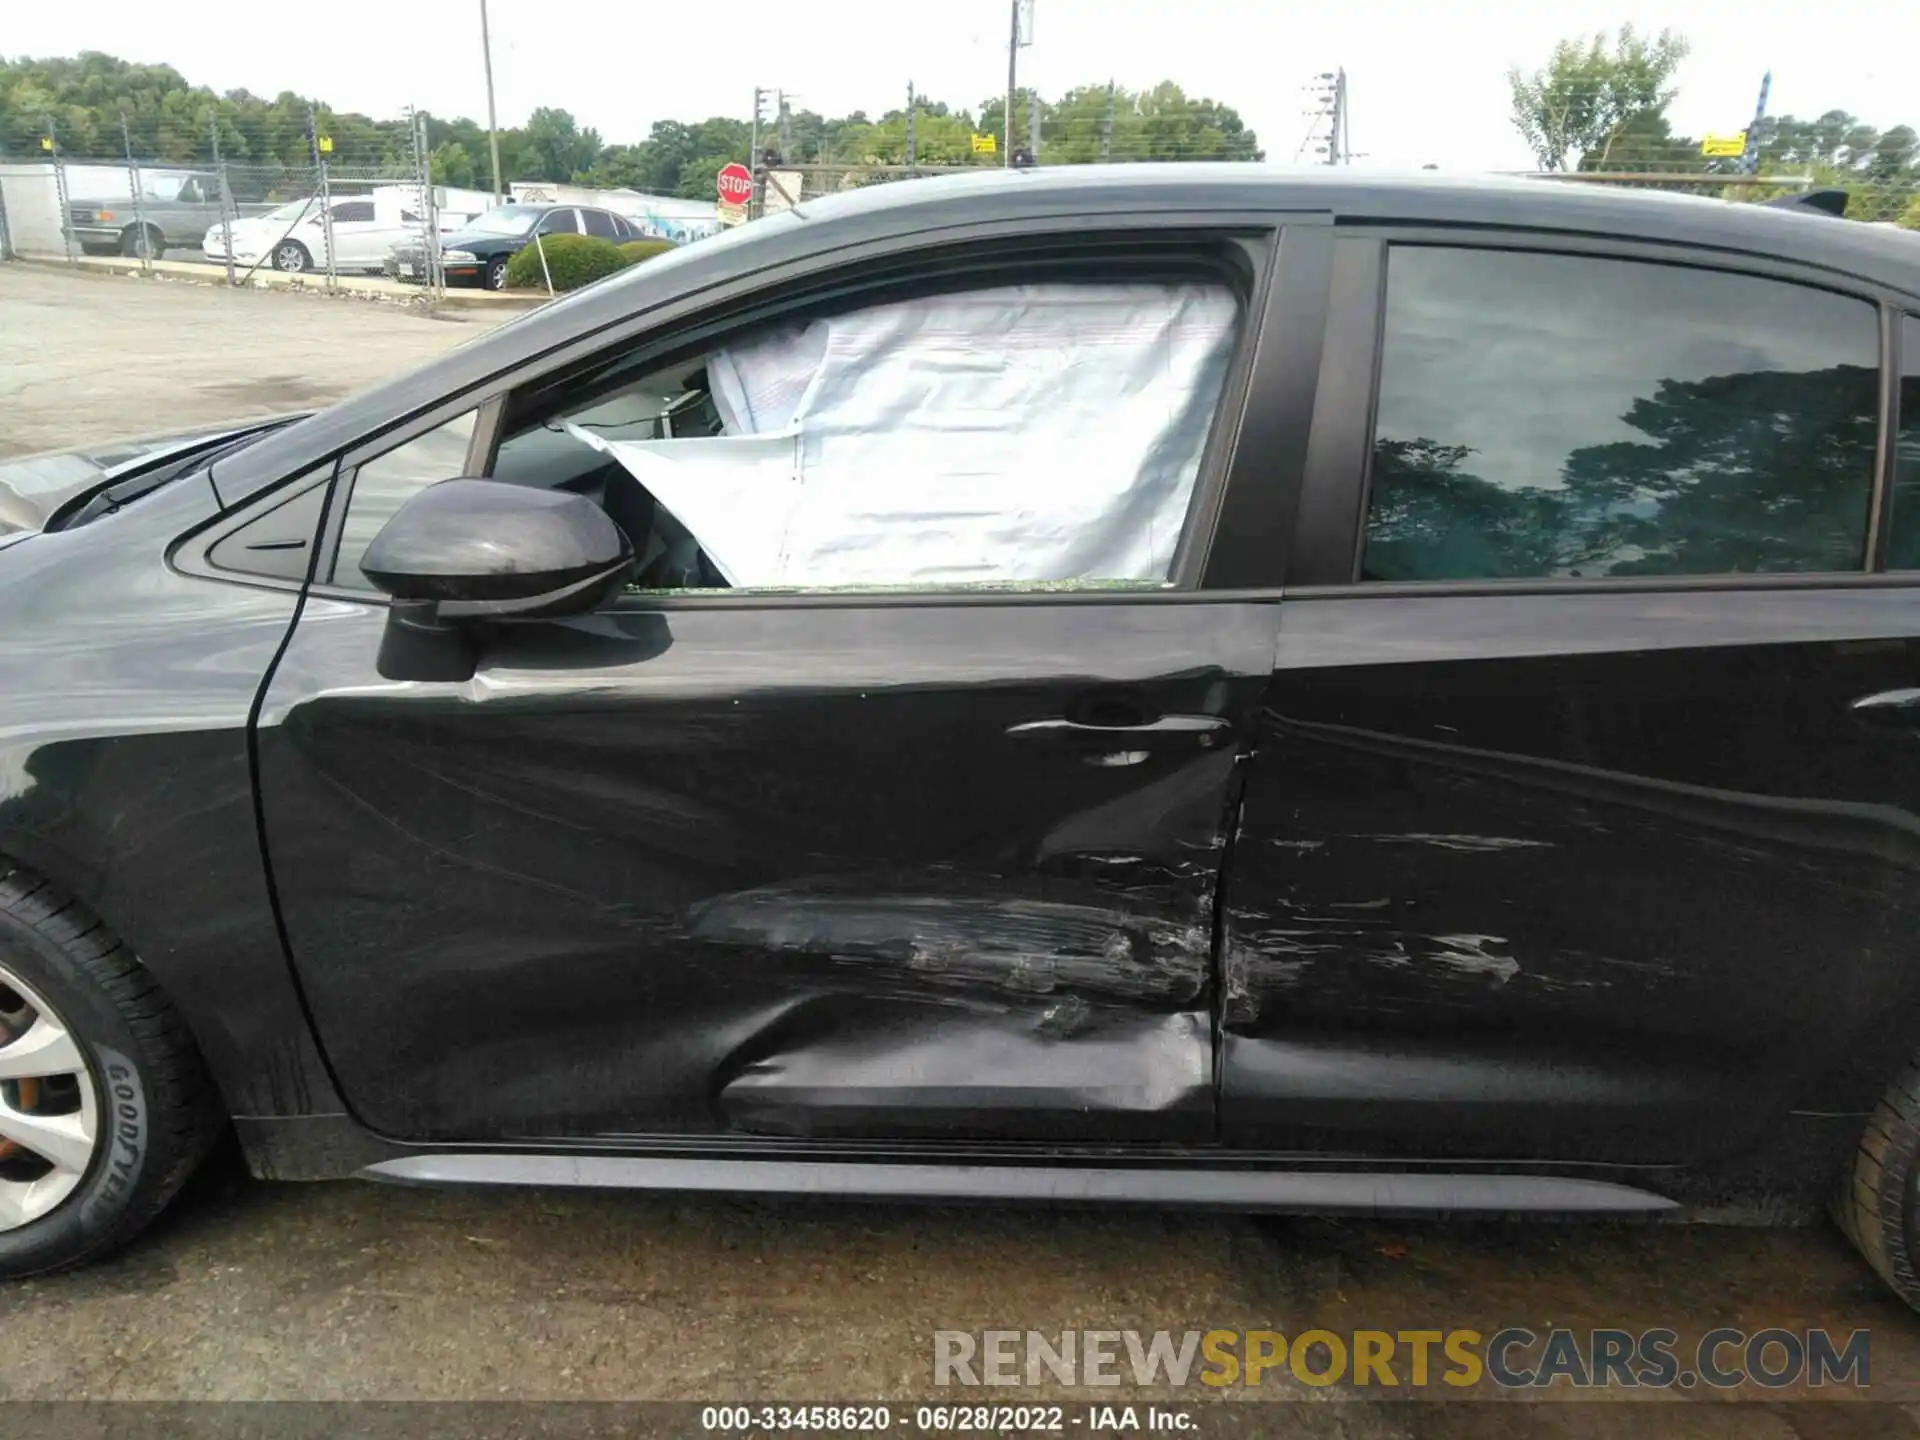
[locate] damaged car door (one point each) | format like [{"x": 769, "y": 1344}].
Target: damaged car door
[
  {"x": 888, "y": 802},
  {"x": 1580, "y": 827}
]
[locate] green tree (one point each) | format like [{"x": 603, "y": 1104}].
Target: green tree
[
  {"x": 1163, "y": 123},
  {"x": 1589, "y": 93},
  {"x": 450, "y": 164},
  {"x": 267, "y": 143},
  {"x": 553, "y": 147}
]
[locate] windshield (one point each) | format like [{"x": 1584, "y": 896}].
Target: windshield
[
  {"x": 292, "y": 210},
  {"x": 509, "y": 220}
]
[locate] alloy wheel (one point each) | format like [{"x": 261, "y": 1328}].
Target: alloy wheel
[
  {"x": 292, "y": 258},
  {"x": 49, "y": 1109}
]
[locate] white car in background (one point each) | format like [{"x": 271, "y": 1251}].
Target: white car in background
[{"x": 294, "y": 237}]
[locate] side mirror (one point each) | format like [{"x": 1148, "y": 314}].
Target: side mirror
[{"x": 471, "y": 549}]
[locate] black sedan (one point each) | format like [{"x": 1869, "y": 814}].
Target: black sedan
[
  {"x": 478, "y": 255},
  {"x": 1175, "y": 685}
]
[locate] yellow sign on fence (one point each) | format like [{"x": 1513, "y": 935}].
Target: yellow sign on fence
[
  {"x": 1724, "y": 145},
  {"x": 985, "y": 145},
  {"x": 325, "y": 143}
]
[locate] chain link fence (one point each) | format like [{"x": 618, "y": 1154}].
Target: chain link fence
[{"x": 234, "y": 204}]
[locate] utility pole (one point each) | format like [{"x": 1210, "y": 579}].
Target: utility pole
[
  {"x": 1750, "y": 158},
  {"x": 911, "y": 107},
  {"x": 1335, "y": 110},
  {"x": 1106, "y": 128},
  {"x": 1019, "y": 32},
  {"x": 786, "y": 130},
  {"x": 1336, "y": 138},
  {"x": 757, "y": 162},
  {"x": 493, "y": 131},
  {"x": 1033, "y": 126}
]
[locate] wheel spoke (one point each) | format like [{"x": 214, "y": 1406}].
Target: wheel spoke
[
  {"x": 61, "y": 1140},
  {"x": 45, "y": 1049},
  {"x": 13, "y": 1204}
]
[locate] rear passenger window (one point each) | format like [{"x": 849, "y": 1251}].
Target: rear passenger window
[
  {"x": 1555, "y": 415},
  {"x": 1903, "y": 535}
]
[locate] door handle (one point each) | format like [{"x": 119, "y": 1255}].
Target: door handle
[
  {"x": 1169, "y": 730},
  {"x": 1899, "y": 708}
]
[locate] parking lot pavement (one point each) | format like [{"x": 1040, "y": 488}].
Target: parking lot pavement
[
  {"x": 351, "y": 1292},
  {"x": 95, "y": 357}
]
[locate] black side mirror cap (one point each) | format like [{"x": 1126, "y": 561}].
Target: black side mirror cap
[
  {"x": 484, "y": 549},
  {"x": 471, "y": 550}
]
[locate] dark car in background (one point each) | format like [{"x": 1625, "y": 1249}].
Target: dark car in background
[
  {"x": 478, "y": 254},
  {"x": 1187, "y": 685}
]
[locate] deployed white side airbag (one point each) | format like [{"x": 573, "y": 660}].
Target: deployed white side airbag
[{"x": 1033, "y": 433}]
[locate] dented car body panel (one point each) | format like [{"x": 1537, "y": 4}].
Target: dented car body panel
[
  {"x": 769, "y": 871},
  {"x": 1365, "y": 891},
  {"x": 1587, "y": 895}
]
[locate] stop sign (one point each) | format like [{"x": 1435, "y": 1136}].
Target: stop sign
[{"x": 735, "y": 184}]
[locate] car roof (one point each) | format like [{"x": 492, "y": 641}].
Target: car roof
[
  {"x": 1477, "y": 204},
  {"x": 1421, "y": 198}
]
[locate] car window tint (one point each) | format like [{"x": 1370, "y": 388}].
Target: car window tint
[
  {"x": 600, "y": 223},
  {"x": 353, "y": 210},
  {"x": 382, "y": 485},
  {"x": 1030, "y": 437},
  {"x": 1554, "y": 415},
  {"x": 559, "y": 222},
  {"x": 1903, "y": 533}
]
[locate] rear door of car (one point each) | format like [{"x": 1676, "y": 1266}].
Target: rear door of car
[
  {"x": 937, "y": 864},
  {"x": 357, "y": 242},
  {"x": 1583, "y": 823}
]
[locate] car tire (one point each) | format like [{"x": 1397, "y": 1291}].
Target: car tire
[
  {"x": 497, "y": 273},
  {"x": 292, "y": 257},
  {"x": 101, "y": 1071},
  {"x": 1877, "y": 1205},
  {"x": 130, "y": 242}
]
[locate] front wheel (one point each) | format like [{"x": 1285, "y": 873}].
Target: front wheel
[
  {"x": 497, "y": 273},
  {"x": 149, "y": 242},
  {"x": 292, "y": 257},
  {"x": 105, "y": 1107}
]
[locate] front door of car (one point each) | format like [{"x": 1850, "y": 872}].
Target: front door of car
[
  {"x": 903, "y": 824},
  {"x": 1584, "y": 819}
]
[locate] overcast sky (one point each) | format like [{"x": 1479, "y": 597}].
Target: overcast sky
[{"x": 1427, "y": 81}]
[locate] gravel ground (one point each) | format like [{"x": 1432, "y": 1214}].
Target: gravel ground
[
  {"x": 351, "y": 1292},
  {"x": 93, "y": 357}
]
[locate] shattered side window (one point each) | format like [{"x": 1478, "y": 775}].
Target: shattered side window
[{"x": 1037, "y": 437}]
